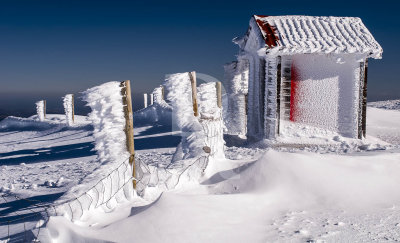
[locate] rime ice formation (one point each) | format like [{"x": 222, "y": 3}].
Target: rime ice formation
[
  {"x": 68, "y": 108},
  {"x": 180, "y": 96},
  {"x": 108, "y": 120}
]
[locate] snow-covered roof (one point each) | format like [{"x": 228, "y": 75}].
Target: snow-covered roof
[{"x": 308, "y": 34}]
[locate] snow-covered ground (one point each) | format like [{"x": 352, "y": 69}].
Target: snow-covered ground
[{"x": 258, "y": 194}]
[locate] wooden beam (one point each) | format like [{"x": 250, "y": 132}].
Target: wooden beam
[
  {"x": 364, "y": 100},
  {"x": 192, "y": 76},
  {"x": 44, "y": 109},
  {"x": 219, "y": 97},
  {"x": 73, "y": 109},
  {"x": 127, "y": 102},
  {"x": 278, "y": 95},
  {"x": 360, "y": 100}
]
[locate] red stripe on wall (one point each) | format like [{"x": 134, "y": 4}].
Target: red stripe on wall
[{"x": 293, "y": 91}]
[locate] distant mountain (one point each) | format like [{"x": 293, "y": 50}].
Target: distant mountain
[{"x": 386, "y": 104}]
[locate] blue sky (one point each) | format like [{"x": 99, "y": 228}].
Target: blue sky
[{"x": 49, "y": 48}]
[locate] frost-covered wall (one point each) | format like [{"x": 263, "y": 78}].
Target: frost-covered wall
[
  {"x": 108, "y": 121},
  {"x": 69, "y": 108},
  {"x": 40, "y": 106},
  {"x": 325, "y": 92},
  {"x": 211, "y": 119}
]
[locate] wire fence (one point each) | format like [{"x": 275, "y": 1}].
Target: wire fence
[
  {"x": 106, "y": 193},
  {"x": 114, "y": 188}
]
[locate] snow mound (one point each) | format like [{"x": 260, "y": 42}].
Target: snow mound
[
  {"x": 339, "y": 180},
  {"x": 18, "y": 123},
  {"x": 157, "y": 113},
  {"x": 386, "y": 104}
]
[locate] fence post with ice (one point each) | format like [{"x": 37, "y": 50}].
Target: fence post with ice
[
  {"x": 68, "y": 102},
  {"x": 198, "y": 113},
  {"x": 158, "y": 95},
  {"x": 145, "y": 100},
  {"x": 127, "y": 103},
  {"x": 210, "y": 108},
  {"x": 193, "y": 82},
  {"x": 41, "y": 109},
  {"x": 151, "y": 99}
]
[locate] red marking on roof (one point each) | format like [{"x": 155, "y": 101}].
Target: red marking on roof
[
  {"x": 269, "y": 31},
  {"x": 293, "y": 93},
  {"x": 261, "y": 16}
]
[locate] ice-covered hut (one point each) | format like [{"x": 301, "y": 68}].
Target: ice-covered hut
[{"x": 302, "y": 69}]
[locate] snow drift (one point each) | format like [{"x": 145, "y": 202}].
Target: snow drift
[{"x": 337, "y": 180}]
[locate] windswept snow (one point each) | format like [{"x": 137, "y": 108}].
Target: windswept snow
[
  {"x": 281, "y": 197},
  {"x": 333, "y": 193}
]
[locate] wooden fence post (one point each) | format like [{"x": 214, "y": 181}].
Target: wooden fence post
[
  {"x": 73, "y": 109},
  {"x": 364, "y": 100},
  {"x": 219, "y": 98},
  {"x": 127, "y": 102},
  {"x": 192, "y": 76},
  {"x": 44, "y": 108}
]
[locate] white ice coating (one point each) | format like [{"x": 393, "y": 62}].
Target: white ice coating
[
  {"x": 211, "y": 119},
  {"x": 180, "y": 95},
  {"x": 69, "y": 108},
  {"x": 108, "y": 120},
  {"x": 40, "y": 110}
]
